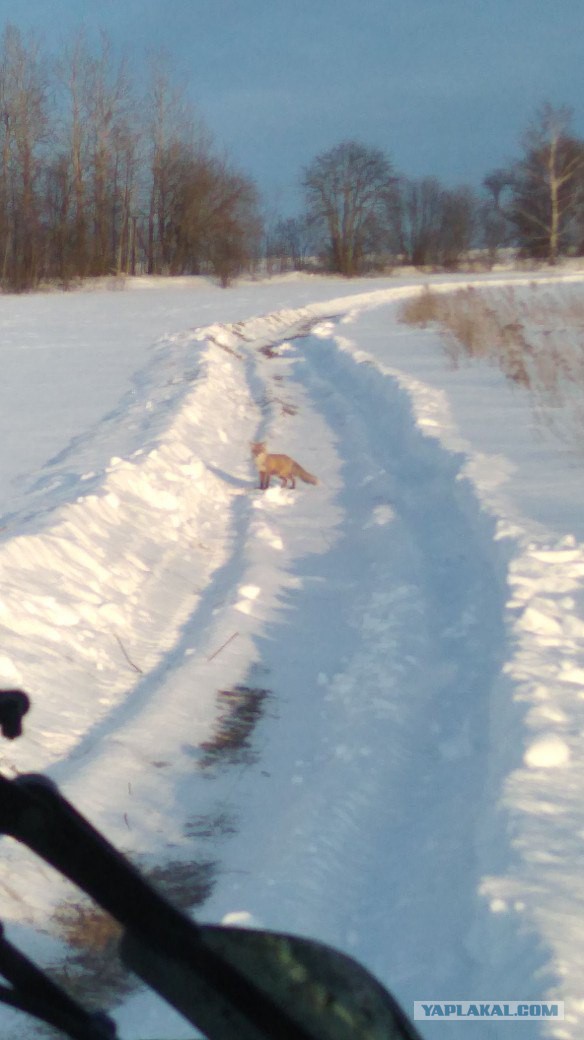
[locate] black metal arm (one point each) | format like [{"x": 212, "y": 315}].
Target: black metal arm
[
  {"x": 241, "y": 986},
  {"x": 34, "y": 992},
  {"x": 34, "y": 812}
]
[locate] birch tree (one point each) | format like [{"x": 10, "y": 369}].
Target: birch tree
[{"x": 541, "y": 194}]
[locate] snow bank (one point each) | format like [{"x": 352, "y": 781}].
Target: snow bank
[{"x": 105, "y": 585}]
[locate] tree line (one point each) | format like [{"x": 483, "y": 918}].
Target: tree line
[
  {"x": 99, "y": 178},
  {"x": 361, "y": 214}
]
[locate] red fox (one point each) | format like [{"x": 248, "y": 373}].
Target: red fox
[{"x": 279, "y": 465}]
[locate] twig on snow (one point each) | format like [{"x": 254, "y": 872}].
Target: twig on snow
[
  {"x": 223, "y": 645},
  {"x": 126, "y": 655}
]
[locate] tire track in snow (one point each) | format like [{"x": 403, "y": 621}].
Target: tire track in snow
[
  {"x": 402, "y": 624},
  {"x": 435, "y": 785}
]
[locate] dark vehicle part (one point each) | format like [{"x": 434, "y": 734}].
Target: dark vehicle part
[
  {"x": 233, "y": 984},
  {"x": 327, "y": 995},
  {"x": 33, "y": 992},
  {"x": 14, "y": 705}
]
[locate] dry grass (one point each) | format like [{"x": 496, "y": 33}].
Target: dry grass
[
  {"x": 92, "y": 971},
  {"x": 474, "y": 327},
  {"x": 239, "y": 711},
  {"x": 534, "y": 336},
  {"x": 422, "y": 309}
]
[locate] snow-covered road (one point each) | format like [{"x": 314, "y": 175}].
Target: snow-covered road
[{"x": 345, "y": 700}]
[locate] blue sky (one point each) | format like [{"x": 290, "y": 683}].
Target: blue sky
[{"x": 444, "y": 87}]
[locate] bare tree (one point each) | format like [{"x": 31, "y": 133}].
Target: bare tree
[
  {"x": 71, "y": 166},
  {"x": 235, "y": 225},
  {"x": 420, "y": 220},
  {"x": 164, "y": 148},
  {"x": 290, "y": 244},
  {"x": 541, "y": 194},
  {"x": 349, "y": 192},
  {"x": 459, "y": 226},
  {"x": 92, "y": 175},
  {"x": 176, "y": 139},
  {"x": 23, "y": 133},
  {"x": 214, "y": 219},
  {"x": 126, "y": 161},
  {"x": 435, "y": 225},
  {"x": 109, "y": 133}
]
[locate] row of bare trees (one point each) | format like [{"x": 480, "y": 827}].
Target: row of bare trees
[
  {"x": 95, "y": 179},
  {"x": 359, "y": 214}
]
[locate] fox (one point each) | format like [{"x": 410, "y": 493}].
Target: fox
[{"x": 278, "y": 465}]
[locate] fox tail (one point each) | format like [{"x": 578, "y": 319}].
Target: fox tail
[{"x": 308, "y": 478}]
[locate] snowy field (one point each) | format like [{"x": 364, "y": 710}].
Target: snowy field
[{"x": 353, "y": 711}]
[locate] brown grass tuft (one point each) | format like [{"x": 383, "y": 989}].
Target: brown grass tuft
[
  {"x": 421, "y": 309},
  {"x": 240, "y": 710},
  {"x": 93, "y": 971},
  {"x": 534, "y": 336}
]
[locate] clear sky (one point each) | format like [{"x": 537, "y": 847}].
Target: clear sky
[{"x": 444, "y": 87}]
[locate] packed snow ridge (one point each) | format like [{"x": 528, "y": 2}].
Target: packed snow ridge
[{"x": 410, "y": 634}]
